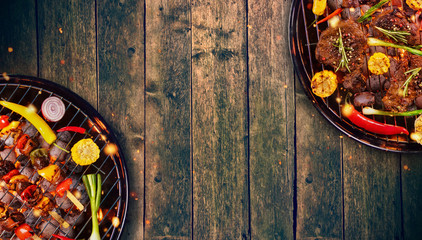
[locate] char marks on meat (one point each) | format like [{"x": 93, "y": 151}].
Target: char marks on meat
[
  {"x": 394, "y": 99},
  {"x": 354, "y": 41},
  {"x": 396, "y": 20}
]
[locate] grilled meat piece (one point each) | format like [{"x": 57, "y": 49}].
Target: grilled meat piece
[
  {"x": 355, "y": 81},
  {"x": 354, "y": 42},
  {"x": 6, "y": 167},
  {"x": 394, "y": 99},
  {"x": 395, "y": 20}
]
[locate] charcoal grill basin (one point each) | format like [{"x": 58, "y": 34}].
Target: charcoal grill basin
[
  {"x": 111, "y": 164},
  {"x": 302, "y": 41}
]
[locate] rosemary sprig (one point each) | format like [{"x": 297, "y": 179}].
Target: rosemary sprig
[
  {"x": 398, "y": 36},
  {"x": 414, "y": 72},
  {"x": 344, "y": 62},
  {"x": 371, "y": 11}
]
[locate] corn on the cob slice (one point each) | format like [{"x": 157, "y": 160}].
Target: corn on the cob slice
[
  {"x": 414, "y": 4},
  {"x": 378, "y": 63},
  {"x": 324, "y": 83}
]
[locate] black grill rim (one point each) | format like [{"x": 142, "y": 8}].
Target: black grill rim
[
  {"x": 321, "y": 106},
  {"x": 76, "y": 100}
]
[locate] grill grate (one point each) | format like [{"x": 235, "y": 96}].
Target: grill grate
[
  {"x": 26, "y": 91},
  {"x": 303, "y": 39}
]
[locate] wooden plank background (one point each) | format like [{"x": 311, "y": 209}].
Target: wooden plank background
[{"x": 220, "y": 140}]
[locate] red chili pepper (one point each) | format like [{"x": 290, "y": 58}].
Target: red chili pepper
[
  {"x": 63, "y": 186},
  {"x": 62, "y": 238},
  {"x": 370, "y": 125},
  {"x": 28, "y": 192},
  {"x": 336, "y": 12},
  {"x": 73, "y": 129},
  {"x": 24, "y": 231},
  {"x": 4, "y": 121},
  {"x": 10, "y": 174},
  {"x": 22, "y": 141}
]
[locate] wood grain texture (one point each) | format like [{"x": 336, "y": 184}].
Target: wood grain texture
[
  {"x": 18, "y": 38},
  {"x": 67, "y": 45},
  {"x": 319, "y": 190},
  {"x": 219, "y": 120},
  {"x": 121, "y": 93},
  {"x": 168, "y": 83},
  {"x": 411, "y": 173},
  {"x": 372, "y": 201},
  {"x": 272, "y": 106}
]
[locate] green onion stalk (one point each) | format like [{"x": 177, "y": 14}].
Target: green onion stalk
[
  {"x": 92, "y": 184},
  {"x": 377, "y": 42},
  {"x": 372, "y": 111}
]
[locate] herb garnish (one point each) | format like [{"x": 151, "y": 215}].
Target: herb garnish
[
  {"x": 342, "y": 49},
  {"x": 414, "y": 72},
  {"x": 371, "y": 11},
  {"x": 398, "y": 36}
]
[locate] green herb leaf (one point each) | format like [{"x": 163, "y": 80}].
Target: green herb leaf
[
  {"x": 414, "y": 72},
  {"x": 398, "y": 36},
  {"x": 371, "y": 11},
  {"x": 344, "y": 62}
]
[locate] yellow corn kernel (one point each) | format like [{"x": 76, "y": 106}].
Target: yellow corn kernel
[{"x": 378, "y": 63}]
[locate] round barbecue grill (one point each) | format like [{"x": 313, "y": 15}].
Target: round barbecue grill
[
  {"x": 111, "y": 165},
  {"x": 303, "y": 39}
]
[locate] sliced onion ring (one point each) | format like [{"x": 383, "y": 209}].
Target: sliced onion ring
[{"x": 53, "y": 109}]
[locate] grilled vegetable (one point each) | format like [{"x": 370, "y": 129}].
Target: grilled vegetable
[
  {"x": 73, "y": 129},
  {"x": 30, "y": 115},
  {"x": 92, "y": 184},
  {"x": 378, "y": 63},
  {"x": 51, "y": 173},
  {"x": 24, "y": 231},
  {"x": 63, "y": 187},
  {"x": 377, "y": 42},
  {"x": 13, "y": 125},
  {"x": 85, "y": 152},
  {"x": 417, "y": 135},
  {"x": 324, "y": 83},
  {"x": 370, "y": 125},
  {"x": 372, "y": 111},
  {"x": 319, "y": 6},
  {"x": 53, "y": 109},
  {"x": 331, "y": 15},
  {"x": 4, "y": 121},
  {"x": 414, "y": 4}
]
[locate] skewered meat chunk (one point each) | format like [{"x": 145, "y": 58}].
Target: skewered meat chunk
[
  {"x": 354, "y": 42},
  {"x": 6, "y": 167},
  {"x": 395, "y": 20}
]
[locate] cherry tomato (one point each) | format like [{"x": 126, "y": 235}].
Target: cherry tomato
[
  {"x": 63, "y": 187},
  {"x": 4, "y": 121},
  {"x": 24, "y": 231}
]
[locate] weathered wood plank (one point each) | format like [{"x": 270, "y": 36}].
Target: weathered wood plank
[
  {"x": 319, "y": 193},
  {"x": 372, "y": 201},
  {"x": 219, "y": 120},
  {"x": 168, "y": 83},
  {"x": 67, "y": 47},
  {"x": 121, "y": 93},
  {"x": 18, "y": 38},
  {"x": 272, "y": 119},
  {"x": 411, "y": 172}
]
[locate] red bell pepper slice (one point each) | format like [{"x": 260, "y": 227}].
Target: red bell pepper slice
[
  {"x": 4, "y": 121},
  {"x": 63, "y": 186},
  {"x": 22, "y": 141},
  {"x": 10, "y": 174},
  {"x": 24, "y": 231},
  {"x": 28, "y": 192}
]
